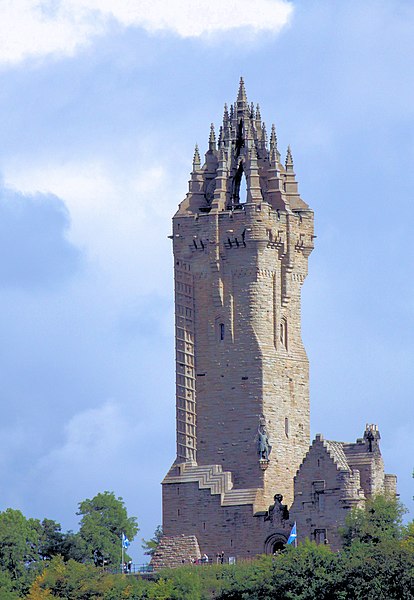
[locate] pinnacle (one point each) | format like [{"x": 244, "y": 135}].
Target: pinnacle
[
  {"x": 273, "y": 138},
  {"x": 289, "y": 158},
  {"x": 212, "y": 138},
  {"x": 241, "y": 97},
  {"x": 196, "y": 158},
  {"x": 226, "y": 114}
]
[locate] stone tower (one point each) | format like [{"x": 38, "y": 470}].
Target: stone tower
[{"x": 241, "y": 241}]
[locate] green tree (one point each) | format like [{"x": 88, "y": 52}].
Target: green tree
[
  {"x": 408, "y": 537},
  {"x": 104, "y": 519},
  {"x": 49, "y": 538},
  {"x": 378, "y": 522},
  {"x": 18, "y": 542},
  {"x": 151, "y": 545}
]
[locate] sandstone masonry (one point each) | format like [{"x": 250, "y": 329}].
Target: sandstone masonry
[{"x": 241, "y": 242}]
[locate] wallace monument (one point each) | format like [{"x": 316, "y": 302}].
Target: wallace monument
[{"x": 245, "y": 471}]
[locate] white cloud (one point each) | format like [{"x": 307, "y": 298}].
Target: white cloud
[
  {"x": 114, "y": 217},
  {"x": 43, "y": 27}
]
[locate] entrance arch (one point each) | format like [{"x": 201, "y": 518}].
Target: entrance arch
[{"x": 275, "y": 543}]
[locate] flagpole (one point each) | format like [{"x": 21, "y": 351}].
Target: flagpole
[{"x": 122, "y": 553}]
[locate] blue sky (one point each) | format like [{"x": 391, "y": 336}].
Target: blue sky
[{"x": 101, "y": 103}]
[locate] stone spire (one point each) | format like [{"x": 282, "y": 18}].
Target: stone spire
[
  {"x": 264, "y": 140},
  {"x": 258, "y": 118},
  {"x": 289, "y": 161},
  {"x": 212, "y": 139},
  {"x": 225, "y": 115},
  {"x": 274, "y": 152},
  {"x": 241, "y": 96},
  {"x": 196, "y": 159}
]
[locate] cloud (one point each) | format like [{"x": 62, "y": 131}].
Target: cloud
[
  {"x": 36, "y": 28},
  {"x": 114, "y": 217},
  {"x": 34, "y": 250}
]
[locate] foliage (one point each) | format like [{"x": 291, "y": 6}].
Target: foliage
[
  {"x": 377, "y": 562},
  {"x": 104, "y": 519},
  {"x": 380, "y": 521},
  {"x": 408, "y": 537},
  {"x": 7, "y": 587},
  {"x": 18, "y": 542},
  {"x": 151, "y": 545},
  {"x": 70, "y": 580}
]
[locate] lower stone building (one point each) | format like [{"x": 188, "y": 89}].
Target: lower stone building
[
  {"x": 333, "y": 478},
  {"x": 205, "y": 515}
]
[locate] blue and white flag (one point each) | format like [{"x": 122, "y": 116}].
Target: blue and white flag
[
  {"x": 125, "y": 541},
  {"x": 293, "y": 535}
]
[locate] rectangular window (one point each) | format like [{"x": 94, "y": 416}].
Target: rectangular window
[{"x": 320, "y": 536}]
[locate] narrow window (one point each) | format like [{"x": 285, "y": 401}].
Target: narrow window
[
  {"x": 284, "y": 333},
  {"x": 221, "y": 331},
  {"x": 286, "y": 427},
  {"x": 320, "y": 497}
]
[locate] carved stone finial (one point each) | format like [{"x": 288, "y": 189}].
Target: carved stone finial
[
  {"x": 212, "y": 138},
  {"x": 289, "y": 160},
  {"x": 264, "y": 134},
  {"x": 273, "y": 138},
  {"x": 225, "y": 115},
  {"x": 196, "y": 159},
  {"x": 241, "y": 96}
]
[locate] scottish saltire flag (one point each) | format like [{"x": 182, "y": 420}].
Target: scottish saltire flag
[
  {"x": 125, "y": 541},
  {"x": 293, "y": 534}
]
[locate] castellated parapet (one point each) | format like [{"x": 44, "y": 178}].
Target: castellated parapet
[{"x": 241, "y": 242}]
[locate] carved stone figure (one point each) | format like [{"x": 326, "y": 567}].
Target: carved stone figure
[{"x": 264, "y": 447}]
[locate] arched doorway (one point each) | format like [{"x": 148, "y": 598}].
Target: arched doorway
[{"x": 275, "y": 543}]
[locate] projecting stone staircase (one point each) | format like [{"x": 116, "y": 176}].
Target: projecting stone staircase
[{"x": 213, "y": 478}]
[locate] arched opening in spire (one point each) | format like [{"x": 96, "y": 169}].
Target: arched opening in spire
[
  {"x": 243, "y": 189},
  {"x": 239, "y": 195}
]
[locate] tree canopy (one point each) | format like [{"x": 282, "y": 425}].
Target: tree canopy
[{"x": 104, "y": 520}]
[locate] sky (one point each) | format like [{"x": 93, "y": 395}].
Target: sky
[{"x": 101, "y": 104}]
